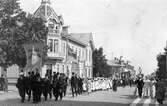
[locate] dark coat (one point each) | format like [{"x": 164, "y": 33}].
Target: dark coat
[
  {"x": 140, "y": 83},
  {"x": 21, "y": 83},
  {"x": 74, "y": 81}
]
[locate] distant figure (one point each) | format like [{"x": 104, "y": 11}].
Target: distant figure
[
  {"x": 114, "y": 84},
  {"x": 153, "y": 89},
  {"x": 140, "y": 84},
  {"x": 74, "y": 84},
  {"x": 147, "y": 88}
]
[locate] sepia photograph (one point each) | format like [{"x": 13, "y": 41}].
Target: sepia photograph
[{"x": 83, "y": 52}]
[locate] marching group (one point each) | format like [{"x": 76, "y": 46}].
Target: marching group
[
  {"x": 34, "y": 86},
  {"x": 150, "y": 88}
]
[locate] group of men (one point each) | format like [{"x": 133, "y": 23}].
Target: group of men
[
  {"x": 76, "y": 84},
  {"x": 36, "y": 86}
]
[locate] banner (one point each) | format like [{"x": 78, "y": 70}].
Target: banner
[{"x": 34, "y": 53}]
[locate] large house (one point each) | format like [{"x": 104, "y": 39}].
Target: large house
[{"x": 68, "y": 52}]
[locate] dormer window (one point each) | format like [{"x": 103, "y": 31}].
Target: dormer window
[{"x": 51, "y": 24}]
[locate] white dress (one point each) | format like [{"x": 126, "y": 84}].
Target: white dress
[{"x": 153, "y": 91}]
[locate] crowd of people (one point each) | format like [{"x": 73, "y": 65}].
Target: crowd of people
[
  {"x": 34, "y": 86},
  {"x": 150, "y": 88},
  {"x": 96, "y": 84}
]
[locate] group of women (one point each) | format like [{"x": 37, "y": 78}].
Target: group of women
[{"x": 96, "y": 84}]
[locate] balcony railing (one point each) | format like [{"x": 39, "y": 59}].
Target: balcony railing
[{"x": 54, "y": 55}]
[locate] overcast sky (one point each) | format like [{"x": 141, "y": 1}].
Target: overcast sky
[{"x": 136, "y": 29}]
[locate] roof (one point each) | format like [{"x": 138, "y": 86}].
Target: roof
[
  {"x": 45, "y": 11},
  {"x": 84, "y": 38}
]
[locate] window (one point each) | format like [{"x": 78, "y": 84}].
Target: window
[
  {"x": 64, "y": 48},
  {"x": 56, "y": 43},
  {"x": 79, "y": 55},
  {"x": 89, "y": 55},
  {"x": 51, "y": 25},
  {"x": 89, "y": 72},
  {"x": 82, "y": 54},
  {"x": 50, "y": 44}
]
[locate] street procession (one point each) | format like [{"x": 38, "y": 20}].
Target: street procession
[{"x": 83, "y": 53}]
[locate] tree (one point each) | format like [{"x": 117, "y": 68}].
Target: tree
[
  {"x": 100, "y": 67},
  {"x": 17, "y": 28},
  {"x": 161, "y": 72}
]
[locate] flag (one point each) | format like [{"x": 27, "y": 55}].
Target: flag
[{"x": 34, "y": 53}]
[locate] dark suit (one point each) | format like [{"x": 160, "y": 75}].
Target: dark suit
[
  {"x": 140, "y": 84},
  {"x": 21, "y": 87},
  {"x": 74, "y": 85}
]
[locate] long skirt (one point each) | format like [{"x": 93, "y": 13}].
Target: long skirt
[{"x": 153, "y": 91}]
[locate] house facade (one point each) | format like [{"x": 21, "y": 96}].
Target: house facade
[
  {"x": 121, "y": 69},
  {"x": 68, "y": 52}
]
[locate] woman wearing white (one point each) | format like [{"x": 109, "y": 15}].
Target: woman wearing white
[{"x": 153, "y": 89}]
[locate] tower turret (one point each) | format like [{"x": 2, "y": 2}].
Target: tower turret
[{"x": 45, "y": 1}]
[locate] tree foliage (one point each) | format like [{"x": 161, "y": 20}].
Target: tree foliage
[
  {"x": 100, "y": 67},
  {"x": 17, "y": 28},
  {"x": 161, "y": 72}
]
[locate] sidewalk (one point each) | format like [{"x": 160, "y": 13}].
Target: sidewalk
[{"x": 11, "y": 88}]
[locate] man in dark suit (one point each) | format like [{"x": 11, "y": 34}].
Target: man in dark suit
[
  {"x": 55, "y": 85},
  {"x": 74, "y": 84},
  {"x": 140, "y": 85},
  {"x": 21, "y": 86}
]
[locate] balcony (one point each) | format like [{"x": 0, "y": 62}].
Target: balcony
[
  {"x": 53, "y": 33},
  {"x": 56, "y": 56}
]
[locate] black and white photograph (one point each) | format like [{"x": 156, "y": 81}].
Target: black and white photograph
[{"x": 83, "y": 52}]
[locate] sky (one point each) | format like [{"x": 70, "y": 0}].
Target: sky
[{"x": 135, "y": 29}]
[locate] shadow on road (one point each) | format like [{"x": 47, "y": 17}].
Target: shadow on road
[
  {"x": 127, "y": 96},
  {"x": 17, "y": 102}
]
